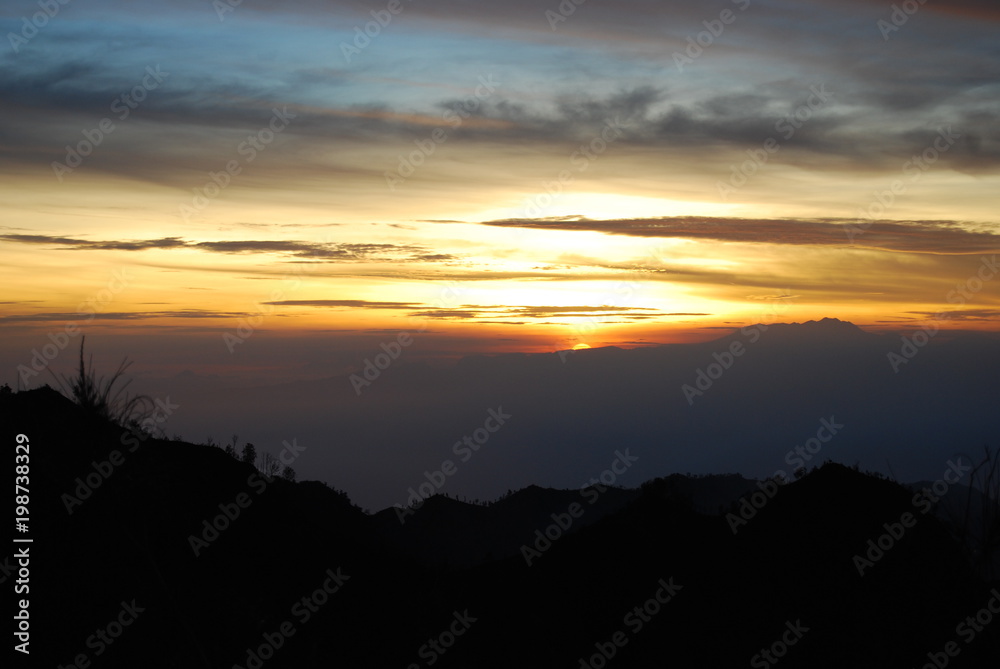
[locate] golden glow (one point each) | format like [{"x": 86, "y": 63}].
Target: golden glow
[
  {"x": 603, "y": 206},
  {"x": 508, "y": 288}
]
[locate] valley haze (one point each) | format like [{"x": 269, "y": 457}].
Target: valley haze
[
  {"x": 796, "y": 396},
  {"x": 539, "y": 333}
]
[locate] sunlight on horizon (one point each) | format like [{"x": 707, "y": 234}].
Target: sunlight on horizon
[{"x": 597, "y": 205}]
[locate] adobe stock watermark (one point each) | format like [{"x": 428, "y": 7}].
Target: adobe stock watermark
[
  {"x": 392, "y": 350},
  {"x": 38, "y": 20},
  {"x": 104, "y": 637},
  {"x": 704, "y": 378},
  {"x": 968, "y": 630},
  {"x": 373, "y": 367},
  {"x": 618, "y": 296},
  {"x": 621, "y": 295},
  {"x": 914, "y": 168},
  {"x": 140, "y": 430},
  {"x": 290, "y": 452},
  {"x": 580, "y": 160},
  {"x": 9, "y": 569},
  {"x": 301, "y": 613},
  {"x": 363, "y": 35},
  {"x": 898, "y": 17},
  {"x": 87, "y": 310},
  {"x": 770, "y": 656},
  {"x": 101, "y": 471},
  {"x": 706, "y": 38},
  {"x": 635, "y": 621},
  {"x": 223, "y": 7},
  {"x": 122, "y": 106},
  {"x": 454, "y": 117},
  {"x": 591, "y": 492},
  {"x": 795, "y": 457},
  {"x": 464, "y": 449},
  {"x": 230, "y": 512},
  {"x": 23, "y": 616},
  {"x": 923, "y": 501},
  {"x": 962, "y": 292},
  {"x": 249, "y": 324},
  {"x": 248, "y": 149},
  {"x": 723, "y": 361},
  {"x": 439, "y": 645},
  {"x": 787, "y": 127},
  {"x": 566, "y": 9}
]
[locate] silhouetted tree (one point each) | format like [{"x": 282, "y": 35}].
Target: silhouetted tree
[
  {"x": 979, "y": 526},
  {"x": 250, "y": 454},
  {"x": 269, "y": 464},
  {"x": 288, "y": 473}
]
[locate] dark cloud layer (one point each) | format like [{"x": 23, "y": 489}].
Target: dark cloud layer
[
  {"x": 289, "y": 248},
  {"x": 118, "y": 315},
  {"x": 878, "y": 112},
  {"x": 344, "y": 304},
  {"x": 938, "y": 237},
  {"x": 978, "y": 9},
  {"x": 474, "y": 311},
  {"x": 979, "y": 315}
]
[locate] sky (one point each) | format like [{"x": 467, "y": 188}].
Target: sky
[{"x": 283, "y": 188}]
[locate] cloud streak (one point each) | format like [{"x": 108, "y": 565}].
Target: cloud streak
[
  {"x": 119, "y": 315},
  {"x": 475, "y": 312},
  {"x": 287, "y": 248},
  {"x": 934, "y": 237},
  {"x": 344, "y": 304}
]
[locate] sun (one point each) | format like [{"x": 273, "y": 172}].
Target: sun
[{"x": 580, "y": 347}]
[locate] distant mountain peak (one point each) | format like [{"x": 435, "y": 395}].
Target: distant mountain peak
[
  {"x": 825, "y": 323},
  {"x": 827, "y": 328},
  {"x": 831, "y": 322}
]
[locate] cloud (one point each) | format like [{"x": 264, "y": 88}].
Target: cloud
[
  {"x": 879, "y": 113},
  {"x": 288, "y": 248},
  {"x": 345, "y": 304},
  {"x": 975, "y": 9},
  {"x": 473, "y": 311},
  {"x": 961, "y": 314},
  {"x": 119, "y": 315},
  {"x": 73, "y": 243},
  {"x": 312, "y": 250},
  {"x": 935, "y": 237}
]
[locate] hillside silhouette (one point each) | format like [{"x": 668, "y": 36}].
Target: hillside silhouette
[
  {"x": 461, "y": 569},
  {"x": 572, "y": 409}
]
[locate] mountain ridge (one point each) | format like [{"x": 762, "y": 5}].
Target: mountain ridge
[{"x": 215, "y": 576}]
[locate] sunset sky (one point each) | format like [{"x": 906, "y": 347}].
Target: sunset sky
[{"x": 494, "y": 176}]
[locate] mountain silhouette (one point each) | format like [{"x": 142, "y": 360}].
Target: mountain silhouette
[
  {"x": 572, "y": 410},
  {"x": 453, "y": 584}
]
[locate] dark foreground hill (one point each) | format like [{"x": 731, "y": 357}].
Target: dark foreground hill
[{"x": 166, "y": 554}]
